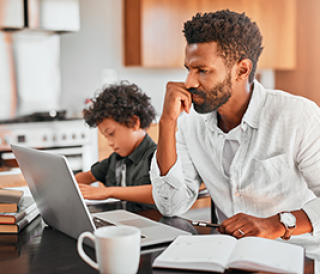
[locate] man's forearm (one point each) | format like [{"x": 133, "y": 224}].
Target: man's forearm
[
  {"x": 303, "y": 224},
  {"x": 243, "y": 225},
  {"x": 166, "y": 151}
]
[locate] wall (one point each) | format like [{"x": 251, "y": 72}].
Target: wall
[
  {"x": 305, "y": 79},
  {"x": 99, "y": 45}
]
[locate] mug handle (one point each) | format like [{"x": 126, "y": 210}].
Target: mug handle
[{"x": 81, "y": 252}]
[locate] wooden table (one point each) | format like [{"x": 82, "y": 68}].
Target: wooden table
[{"x": 41, "y": 249}]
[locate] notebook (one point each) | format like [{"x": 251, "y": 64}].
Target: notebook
[{"x": 60, "y": 202}]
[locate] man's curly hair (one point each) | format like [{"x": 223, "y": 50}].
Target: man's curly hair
[
  {"x": 120, "y": 102},
  {"x": 236, "y": 35}
]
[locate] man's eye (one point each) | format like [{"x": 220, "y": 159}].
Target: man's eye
[
  {"x": 203, "y": 71},
  {"x": 111, "y": 133}
]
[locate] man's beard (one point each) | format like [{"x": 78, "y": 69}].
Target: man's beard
[{"x": 213, "y": 98}]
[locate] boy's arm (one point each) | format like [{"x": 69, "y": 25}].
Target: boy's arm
[
  {"x": 85, "y": 178},
  {"x": 138, "y": 194}
]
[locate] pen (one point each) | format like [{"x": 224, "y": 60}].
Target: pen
[{"x": 199, "y": 223}]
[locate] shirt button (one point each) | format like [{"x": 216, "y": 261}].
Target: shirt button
[{"x": 244, "y": 127}]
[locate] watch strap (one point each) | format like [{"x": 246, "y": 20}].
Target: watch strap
[{"x": 288, "y": 233}]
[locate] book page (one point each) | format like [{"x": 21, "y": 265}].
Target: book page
[
  {"x": 252, "y": 253},
  {"x": 201, "y": 252}
]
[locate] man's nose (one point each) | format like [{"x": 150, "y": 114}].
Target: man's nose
[{"x": 191, "y": 81}]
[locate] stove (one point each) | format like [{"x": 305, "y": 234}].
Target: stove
[
  {"x": 51, "y": 115},
  {"x": 53, "y": 133}
]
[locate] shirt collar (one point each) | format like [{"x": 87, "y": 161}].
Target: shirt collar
[
  {"x": 137, "y": 154},
  {"x": 252, "y": 114},
  {"x": 257, "y": 101}
]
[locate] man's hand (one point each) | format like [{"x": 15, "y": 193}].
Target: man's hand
[
  {"x": 177, "y": 99},
  {"x": 93, "y": 193},
  {"x": 244, "y": 225}
]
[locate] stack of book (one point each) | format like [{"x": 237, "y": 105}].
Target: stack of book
[
  {"x": 11, "y": 244},
  {"x": 16, "y": 210}
]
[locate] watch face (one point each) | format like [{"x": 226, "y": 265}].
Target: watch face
[{"x": 288, "y": 218}]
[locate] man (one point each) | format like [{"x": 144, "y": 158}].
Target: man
[{"x": 256, "y": 150}]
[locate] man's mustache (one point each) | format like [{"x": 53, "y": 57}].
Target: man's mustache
[{"x": 196, "y": 92}]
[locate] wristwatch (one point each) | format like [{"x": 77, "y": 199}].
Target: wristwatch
[{"x": 289, "y": 222}]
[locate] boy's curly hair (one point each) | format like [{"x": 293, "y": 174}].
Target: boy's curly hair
[
  {"x": 120, "y": 102},
  {"x": 236, "y": 35}
]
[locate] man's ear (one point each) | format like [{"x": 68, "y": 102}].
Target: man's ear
[
  {"x": 244, "y": 68},
  {"x": 136, "y": 122}
]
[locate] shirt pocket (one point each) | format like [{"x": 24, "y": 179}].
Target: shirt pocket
[{"x": 271, "y": 176}]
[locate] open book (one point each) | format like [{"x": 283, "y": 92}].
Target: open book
[{"x": 219, "y": 252}]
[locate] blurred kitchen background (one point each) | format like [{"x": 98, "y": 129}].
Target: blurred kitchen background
[{"x": 55, "y": 54}]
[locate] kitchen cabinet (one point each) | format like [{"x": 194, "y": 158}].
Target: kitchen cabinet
[
  {"x": 305, "y": 80},
  {"x": 40, "y": 15},
  {"x": 104, "y": 150},
  {"x": 154, "y": 38}
]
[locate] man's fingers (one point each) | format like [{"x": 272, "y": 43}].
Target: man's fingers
[
  {"x": 235, "y": 225},
  {"x": 186, "y": 104},
  {"x": 177, "y": 93}
]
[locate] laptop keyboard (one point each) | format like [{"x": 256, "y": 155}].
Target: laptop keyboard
[{"x": 100, "y": 222}]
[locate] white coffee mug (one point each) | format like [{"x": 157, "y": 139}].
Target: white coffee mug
[{"x": 117, "y": 249}]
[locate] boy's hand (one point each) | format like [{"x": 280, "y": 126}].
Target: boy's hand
[
  {"x": 93, "y": 193},
  {"x": 177, "y": 99}
]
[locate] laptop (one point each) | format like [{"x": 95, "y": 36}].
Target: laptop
[{"x": 61, "y": 204}]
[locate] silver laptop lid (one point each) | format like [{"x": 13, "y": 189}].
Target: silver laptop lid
[{"x": 54, "y": 190}]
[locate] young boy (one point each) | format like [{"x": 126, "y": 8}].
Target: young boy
[{"x": 122, "y": 114}]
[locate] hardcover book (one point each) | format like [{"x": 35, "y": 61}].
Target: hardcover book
[
  {"x": 16, "y": 228},
  {"x": 10, "y": 200},
  {"x": 26, "y": 206},
  {"x": 220, "y": 252}
]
